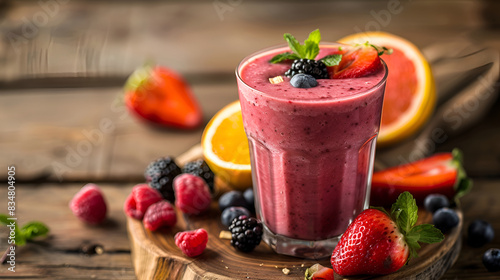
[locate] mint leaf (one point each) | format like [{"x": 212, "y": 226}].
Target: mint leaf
[
  {"x": 314, "y": 37},
  {"x": 311, "y": 50},
  {"x": 427, "y": 233},
  {"x": 4, "y": 219},
  {"x": 283, "y": 56},
  {"x": 311, "y": 45},
  {"x": 34, "y": 229},
  {"x": 294, "y": 45},
  {"x": 463, "y": 184},
  {"x": 405, "y": 212},
  {"x": 19, "y": 237},
  {"x": 332, "y": 60}
]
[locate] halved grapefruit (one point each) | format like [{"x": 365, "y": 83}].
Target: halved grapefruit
[{"x": 410, "y": 94}]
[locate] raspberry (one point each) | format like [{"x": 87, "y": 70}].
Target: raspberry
[
  {"x": 89, "y": 205},
  {"x": 141, "y": 197},
  {"x": 160, "y": 214},
  {"x": 246, "y": 233},
  {"x": 192, "y": 194},
  {"x": 200, "y": 168},
  {"x": 160, "y": 175},
  {"x": 192, "y": 243}
]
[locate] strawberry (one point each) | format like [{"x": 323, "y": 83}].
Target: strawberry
[
  {"x": 161, "y": 96},
  {"x": 441, "y": 173},
  {"x": 358, "y": 62},
  {"x": 319, "y": 272},
  {"x": 378, "y": 243}
]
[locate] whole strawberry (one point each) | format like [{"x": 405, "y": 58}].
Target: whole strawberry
[
  {"x": 161, "y": 96},
  {"x": 378, "y": 243},
  {"x": 141, "y": 197},
  {"x": 192, "y": 194},
  {"x": 192, "y": 243},
  {"x": 89, "y": 205}
]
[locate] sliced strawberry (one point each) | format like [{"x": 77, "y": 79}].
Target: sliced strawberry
[
  {"x": 319, "y": 272},
  {"x": 358, "y": 62},
  {"x": 161, "y": 96},
  {"x": 377, "y": 243},
  {"x": 441, "y": 173}
]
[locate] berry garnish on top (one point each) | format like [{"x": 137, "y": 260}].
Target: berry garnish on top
[
  {"x": 348, "y": 62},
  {"x": 362, "y": 60},
  {"x": 315, "y": 68},
  {"x": 380, "y": 243},
  {"x": 304, "y": 56}
]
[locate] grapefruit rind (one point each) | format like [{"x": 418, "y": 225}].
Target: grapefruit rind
[{"x": 423, "y": 104}]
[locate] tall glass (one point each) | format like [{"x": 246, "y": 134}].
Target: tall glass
[{"x": 311, "y": 151}]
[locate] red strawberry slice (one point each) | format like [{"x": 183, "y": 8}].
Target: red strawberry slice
[
  {"x": 161, "y": 96},
  {"x": 359, "y": 62},
  {"x": 378, "y": 243},
  {"x": 319, "y": 272}
]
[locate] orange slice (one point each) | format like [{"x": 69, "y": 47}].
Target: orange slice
[
  {"x": 410, "y": 94},
  {"x": 225, "y": 147}
]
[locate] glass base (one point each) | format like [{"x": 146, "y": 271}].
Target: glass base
[{"x": 306, "y": 249}]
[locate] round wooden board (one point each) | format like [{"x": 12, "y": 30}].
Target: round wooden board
[{"x": 155, "y": 255}]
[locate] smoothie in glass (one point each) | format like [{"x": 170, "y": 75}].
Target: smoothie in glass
[{"x": 311, "y": 149}]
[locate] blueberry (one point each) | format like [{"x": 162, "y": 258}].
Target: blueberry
[
  {"x": 230, "y": 213},
  {"x": 491, "y": 259},
  {"x": 249, "y": 198},
  {"x": 232, "y": 198},
  {"x": 480, "y": 233},
  {"x": 303, "y": 81},
  {"x": 445, "y": 219},
  {"x": 433, "y": 202}
]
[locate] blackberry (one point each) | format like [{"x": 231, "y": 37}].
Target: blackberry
[
  {"x": 200, "y": 168},
  {"x": 160, "y": 175},
  {"x": 315, "y": 68},
  {"x": 246, "y": 233}
]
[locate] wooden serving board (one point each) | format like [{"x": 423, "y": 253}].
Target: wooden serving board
[{"x": 155, "y": 255}]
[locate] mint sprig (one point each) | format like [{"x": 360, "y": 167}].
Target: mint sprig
[
  {"x": 28, "y": 231},
  {"x": 405, "y": 213},
  {"x": 308, "y": 50}
]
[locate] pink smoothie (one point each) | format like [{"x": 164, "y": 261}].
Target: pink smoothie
[{"x": 311, "y": 148}]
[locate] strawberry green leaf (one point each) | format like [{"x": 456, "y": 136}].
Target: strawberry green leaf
[
  {"x": 463, "y": 184},
  {"x": 283, "y": 56},
  {"x": 138, "y": 78},
  {"x": 427, "y": 233},
  {"x": 405, "y": 212},
  {"x": 295, "y": 46},
  {"x": 412, "y": 240},
  {"x": 332, "y": 60}
]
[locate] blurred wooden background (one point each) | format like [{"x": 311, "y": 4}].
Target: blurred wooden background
[{"x": 62, "y": 124}]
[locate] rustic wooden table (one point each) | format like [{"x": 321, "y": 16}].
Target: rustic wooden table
[{"x": 62, "y": 123}]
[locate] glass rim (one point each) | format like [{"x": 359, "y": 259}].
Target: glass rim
[{"x": 262, "y": 52}]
